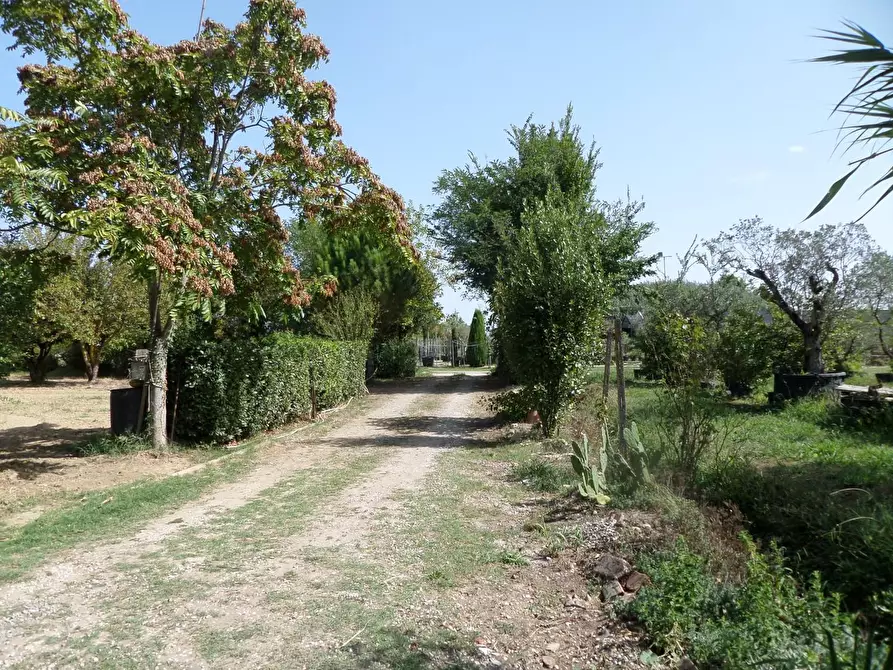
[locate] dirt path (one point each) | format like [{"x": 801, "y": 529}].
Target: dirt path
[{"x": 133, "y": 603}]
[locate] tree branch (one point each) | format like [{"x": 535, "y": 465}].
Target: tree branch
[{"x": 778, "y": 299}]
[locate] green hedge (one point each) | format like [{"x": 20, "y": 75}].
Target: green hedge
[
  {"x": 230, "y": 389},
  {"x": 396, "y": 359}
]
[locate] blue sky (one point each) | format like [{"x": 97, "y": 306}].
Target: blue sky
[{"x": 703, "y": 108}]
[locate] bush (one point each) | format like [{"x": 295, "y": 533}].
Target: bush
[
  {"x": 550, "y": 297},
  {"x": 396, "y": 359},
  {"x": 679, "y": 350},
  {"x": 230, "y": 389},
  {"x": 477, "y": 353},
  {"x": 744, "y": 353},
  {"x": 513, "y": 405},
  {"x": 765, "y": 621}
]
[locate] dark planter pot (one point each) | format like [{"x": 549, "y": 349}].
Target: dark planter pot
[
  {"x": 125, "y": 409},
  {"x": 739, "y": 389},
  {"x": 790, "y": 387},
  {"x": 884, "y": 377}
]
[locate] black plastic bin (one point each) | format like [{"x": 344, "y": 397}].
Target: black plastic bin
[{"x": 125, "y": 409}]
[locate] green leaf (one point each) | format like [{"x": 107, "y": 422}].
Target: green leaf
[
  {"x": 856, "y": 56},
  {"x": 832, "y": 192}
]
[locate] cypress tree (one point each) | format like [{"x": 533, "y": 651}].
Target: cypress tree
[{"x": 476, "y": 354}]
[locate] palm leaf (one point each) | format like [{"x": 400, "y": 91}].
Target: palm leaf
[{"x": 867, "y": 104}]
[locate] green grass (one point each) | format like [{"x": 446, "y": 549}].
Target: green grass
[
  {"x": 103, "y": 514},
  {"x": 428, "y": 372},
  {"x": 545, "y": 475},
  {"x": 865, "y": 376},
  {"x": 811, "y": 476}
]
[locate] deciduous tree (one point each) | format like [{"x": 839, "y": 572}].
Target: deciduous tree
[
  {"x": 551, "y": 296},
  {"x": 142, "y": 148}
]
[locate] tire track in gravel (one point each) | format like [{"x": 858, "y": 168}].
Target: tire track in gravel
[{"x": 61, "y": 598}]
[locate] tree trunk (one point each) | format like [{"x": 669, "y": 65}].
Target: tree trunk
[
  {"x": 609, "y": 345},
  {"x": 621, "y": 390},
  {"x": 37, "y": 364},
  {"x": 91, "y": 354},
  {"x": 160, "y": 332},
  {"x": 813, "y": 363},
  {"x": 158, "y": 389}
]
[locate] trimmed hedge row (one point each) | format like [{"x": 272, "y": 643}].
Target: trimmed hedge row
[
  {"x": 396, "y": 359},
  {"x": 226, "y": 390}
]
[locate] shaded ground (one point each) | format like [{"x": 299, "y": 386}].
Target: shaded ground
[
  {"x": 38, "y": 426},
  {"x": 378, "y": 541}
]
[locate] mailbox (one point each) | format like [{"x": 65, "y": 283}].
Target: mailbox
[{"x": 139, "y": 367}]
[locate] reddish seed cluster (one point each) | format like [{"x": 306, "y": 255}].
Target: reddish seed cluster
[
  {"x": 313, "y": 46},
  {"x": 92, "y": 177},
  {"x": 353, "y": 160},
  {"x": 200, "y": 285},
  {"x": 140, "y": 217},
  {"x": 163, "y": 253}
]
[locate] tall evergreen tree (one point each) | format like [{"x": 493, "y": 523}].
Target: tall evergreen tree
[{"x": 477, "y": 351}]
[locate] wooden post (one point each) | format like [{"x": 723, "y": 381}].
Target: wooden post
[
  {"x": 312, "y": 393},
  {"x": 609, "y": 345},
  {"x": 621, "y": 388},
  {"x": 176, "y": 404}
]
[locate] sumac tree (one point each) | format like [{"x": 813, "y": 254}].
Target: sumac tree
[{"x": 142, "y": 149}]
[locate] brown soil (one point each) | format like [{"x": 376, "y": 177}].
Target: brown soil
[
  {"x": 269, "y": 607},
  {"x": 39, "y": 424},
  {"x": 64, "y": 599}
]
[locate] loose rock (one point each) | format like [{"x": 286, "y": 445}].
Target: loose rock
[
  {"x": 611, "y": 590},
  {"x": 609, "y": 566},
  {"x": 635, "y": 581}
]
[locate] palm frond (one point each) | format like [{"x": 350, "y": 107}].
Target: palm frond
[{"x": 868, "y": 114}]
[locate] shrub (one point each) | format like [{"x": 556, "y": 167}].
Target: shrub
[
  {"x": 347, "y": 316},
  {"x": 550, "y": 297},
  {"x": 694, "y": 426},
  {"x": 229, "y": 389},
  {"x": 765, "y": 621},
  {"x": 396, "y": 359},
  {"x": 679, "y": 350},
  {"x": 744, "y": 353},
  {"x": 477, "y": 352},
  {"x": 513, "y": 405}
]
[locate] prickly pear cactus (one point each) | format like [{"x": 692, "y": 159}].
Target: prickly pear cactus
[{"x": 592, "y": 475}]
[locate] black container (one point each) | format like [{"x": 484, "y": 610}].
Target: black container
[
  {"x": 789, "y": 387},
  {"x": 125, "y": 409}
]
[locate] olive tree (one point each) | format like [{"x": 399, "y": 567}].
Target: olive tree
[
  {"x": 878, "y": 289},
  {"x": 812, "y": 276}
]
